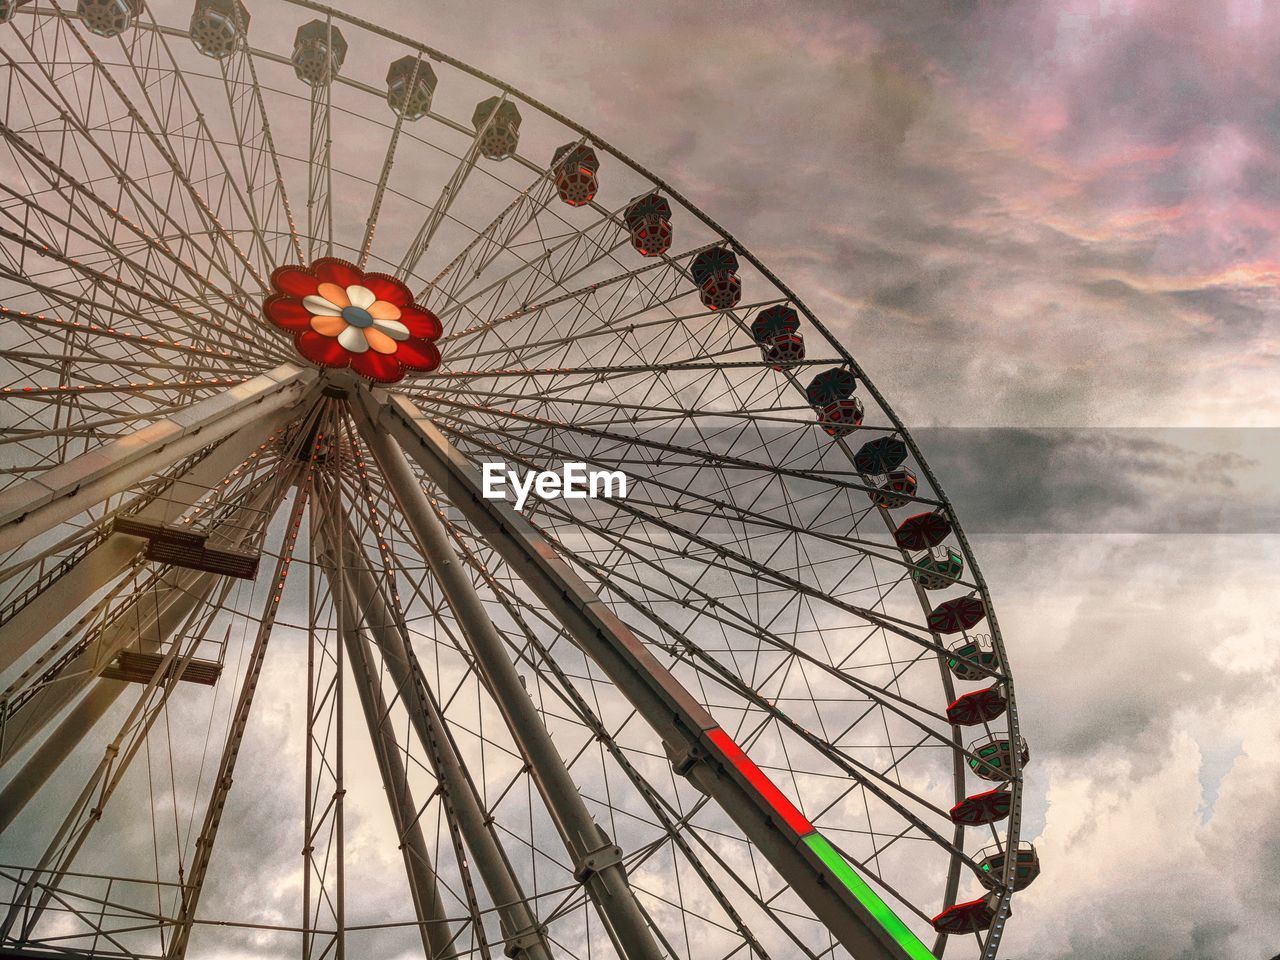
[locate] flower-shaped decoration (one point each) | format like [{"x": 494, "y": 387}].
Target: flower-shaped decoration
[{"x": 341, "y": 316}]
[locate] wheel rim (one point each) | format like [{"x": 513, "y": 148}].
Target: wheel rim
[{"x": 750, "y": 524}]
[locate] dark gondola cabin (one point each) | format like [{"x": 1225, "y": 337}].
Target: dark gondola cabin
[
  {"x": 776, "y": 330},
  {"x": 992, "y": 759},
  {"x": 319, "y": 50},
  {"x": 218, "y": 27},
  {"x": 991, "y": 864},
  {"x": 881, "y": 455},
  {"x": 922, "y": 531},
  {"x": 497, "y": 125},
  {"x": 957, "y": 615},
  {"x": 411, "y": 83},
  {"x": 979, "y": 706},
  {"x": 972, "y": 916},
  {"x": 773, "y": 322},
  {"x": 109, "y": 18},
  {"x": 830, "y": 386}
]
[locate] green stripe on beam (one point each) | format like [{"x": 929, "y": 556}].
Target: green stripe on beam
[{"x": 889, "y": 920}]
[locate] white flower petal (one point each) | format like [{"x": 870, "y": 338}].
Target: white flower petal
[
  {"x": 393, "y": 329},
  {"x": 361, "y": 297},
  {"x": 320, "y": 307},
  {"x": 353, "y": 340}
]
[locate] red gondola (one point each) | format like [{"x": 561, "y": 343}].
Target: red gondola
[
  {"x": 970, "y": 917},
  {"x": 982, "y": 808},
  {"x": 830, "y": 386},
  {"x": 715, "y": 271},
  {"x": 575, "y": 168},
  {"x": 955, "y": 616},
  {"x": 841, "y": 418},
  {"x": 786, "y": 351},
  {"x": 922, "y": 531},
  {"x": 772, "y": 322},
  {"x": 648, "y": 220},
  {"x": 980, "y": 706}
]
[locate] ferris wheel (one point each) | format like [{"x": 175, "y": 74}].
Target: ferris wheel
[{"x": 285, "y": 297}]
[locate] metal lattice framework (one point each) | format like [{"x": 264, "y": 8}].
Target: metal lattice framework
[{"x": 757, "y": 707}]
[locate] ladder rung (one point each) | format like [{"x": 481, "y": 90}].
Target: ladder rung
[
  {"x": 135, "y": 667},
  {"x": 227, "y": 563},
  {"x": 158, "y": 532}
]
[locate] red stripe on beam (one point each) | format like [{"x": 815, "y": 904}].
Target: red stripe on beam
[{"x": 763, "y": 785}]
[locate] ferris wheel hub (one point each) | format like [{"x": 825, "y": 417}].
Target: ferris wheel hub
[{"x": 343, "y": 317}]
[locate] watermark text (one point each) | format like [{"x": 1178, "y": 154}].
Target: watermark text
[{"x": 573, "y": 481}]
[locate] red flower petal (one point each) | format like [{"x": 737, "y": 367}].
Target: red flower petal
[
  {"x": 388, "y": 288},
  {"x": 383, "y": 367},
  {"x": 287, "y": 313},
  {"x": 422, "y": 324},
  {"x": 341, "y": 272},
  {"x": 323, "y": 350},
  {"x": 418, "y": 355},
  {"x": 286, "y": 310},
  {"x": 294, "y": 281}
]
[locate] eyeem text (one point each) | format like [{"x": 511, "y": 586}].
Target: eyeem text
[{"x": 573, "y": 482}]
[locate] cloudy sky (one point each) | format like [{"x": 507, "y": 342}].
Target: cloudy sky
[
  {"x": 1034, "y": 214},
  {"x": 1047, "y": 230}
]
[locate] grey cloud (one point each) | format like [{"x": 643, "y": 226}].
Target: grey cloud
[{"x": 1110, "y": 481}]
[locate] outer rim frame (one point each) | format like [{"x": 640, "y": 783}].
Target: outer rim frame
[{"x": 1012, "y": 835}]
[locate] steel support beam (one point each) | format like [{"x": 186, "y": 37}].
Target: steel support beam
[
  {"x": 434, "y": 928},
  {"x": 524, "y": 937},
  {"x": 48, "y": 608},
  {"x": 683, "y": 724},
  {"x": 31, "y": 508},
  {"x": 147, "y": 626},
  {"x": 82, "y": 718},
  {"x": 113, "y": 556},
  {"x": 597, "y": 862},
  {"x": 148, "y": 623}
]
